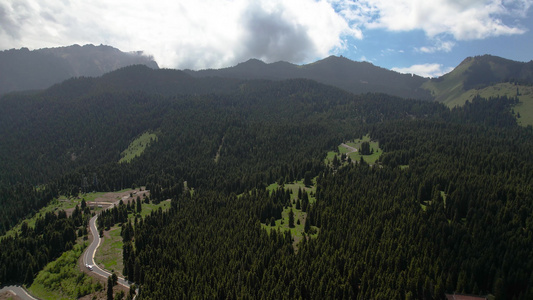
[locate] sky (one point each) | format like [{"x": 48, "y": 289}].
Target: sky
[{"x": 424, "y": 37}]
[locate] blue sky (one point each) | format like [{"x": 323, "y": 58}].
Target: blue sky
[{"x": 425, "y": 37}]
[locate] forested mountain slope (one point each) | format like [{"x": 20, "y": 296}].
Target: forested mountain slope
[
  {"x": 447, "y": 208},
  {"x": 352, "y": 76},
  {"x": 376, "y": 241},
  {"x": 84, "y": 124},
  {"x": 22, "y": 69}
]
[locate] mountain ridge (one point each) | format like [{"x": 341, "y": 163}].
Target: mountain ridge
[
  {"x": 352, "y": 76},
  {"x": 487, "y": 76},
  {"x": 24, "y": 69}
]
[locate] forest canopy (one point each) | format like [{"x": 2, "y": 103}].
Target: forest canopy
[{"x": 448, "y": 206}]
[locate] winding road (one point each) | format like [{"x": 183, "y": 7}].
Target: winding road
[
  {"x": 88, "y": 256},
  {"x": 18, "y": 291},
  {"x": 88, "y": 259}
]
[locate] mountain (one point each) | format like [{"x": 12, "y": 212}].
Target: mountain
[
  {"x": 355, "y": 77},
  {"x": 23, "y": 69},
  {"x": 487, "y": 76},
  {"x": 82, "y": 125},
  {"x": 140, "y": 78},
  {"x": 446, "y": 207},
  {"x": 478, "y": 73}
]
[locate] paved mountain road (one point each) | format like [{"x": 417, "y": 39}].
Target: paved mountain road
[
  {"x": 88, "y": 259},
  {"x": 88, "y": 256},
  {"x": 18, "y": 291}
]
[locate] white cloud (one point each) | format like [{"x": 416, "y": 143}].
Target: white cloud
[
  {"x": 363, "y": 58},
  {"x": 445, "y": 46},
  {"x": 183, "y": 34},
  {"x": 464, "y": 20},
  {"x": 218, "y": 33},
  {"x": 425, "y": 70}
]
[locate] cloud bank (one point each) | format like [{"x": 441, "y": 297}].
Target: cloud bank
[
  {"x": 425, "y": 70},
  {"x": 184, "y": 34},
  {"x": 218, "y": 33},
  {"x": 463, "y": 20}
]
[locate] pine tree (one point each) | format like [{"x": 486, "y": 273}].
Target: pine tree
[
  {"x": 114, "y": 277},
  {"x": 109, "y": 288},
  {"x": 139, "y": 206},
  {"x": 365, "y": 148},
  {"x": 291, "y": 218},
  {"x": 308, "y": 180},
  {"x": 305, "y": 201}
]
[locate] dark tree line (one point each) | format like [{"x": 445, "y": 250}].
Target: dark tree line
[
  {"x": 22, "y": 256},
  {"x": 21, "y": 201}
]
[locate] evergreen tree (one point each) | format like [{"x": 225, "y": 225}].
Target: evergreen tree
[
  {"x": 365, "y": 148},
  {"x": 291, "y": 218},
  {"x": 308, "y": 179},
  {"x": 109, "y": 288},
  {"x": 139, "y": 205}
]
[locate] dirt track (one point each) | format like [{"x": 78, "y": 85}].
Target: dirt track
[{"x": 350, "y": 148}]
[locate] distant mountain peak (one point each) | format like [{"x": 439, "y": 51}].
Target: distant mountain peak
[
  {"x": 253, "y": 61},
  {"x": 336, "y": 58},
  {"x": 38, "y": 69},
  {"x": 478, "y": 72}
]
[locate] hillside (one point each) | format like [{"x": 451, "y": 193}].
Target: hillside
[
  {"x": 23, "y": 69},
  {"x": 84, "y": 124},
  {"x": 446, "y": 206},
  {"x": 487, "y": 76},
  {"x": 355, "y": 77},
  {"x": 104, "y": 113}
]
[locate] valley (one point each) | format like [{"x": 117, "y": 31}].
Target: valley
[{"x": 204, "y": 185}]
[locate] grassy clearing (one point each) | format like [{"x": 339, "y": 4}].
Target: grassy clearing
[
  {"x": 282, "y": 224},
  {"x": 62, "y": 279},
  {"x": 90, "y": 197},
  {"x": 137, "y": 147},
  {"x": 62, "y": 203},
  {"x": 109, "y": 254},
  {"x": 374, "y": 147},
  {"x": 330, "y": 156},
  {"x": 148, "y": 208},
  {"x": 356, "y": 156},
  {"x": 524, "y": 107},
  {"x": 297, "y": 231},
  {"x": 427, "y": 203},
  {"x": 294, "y": 186}
]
